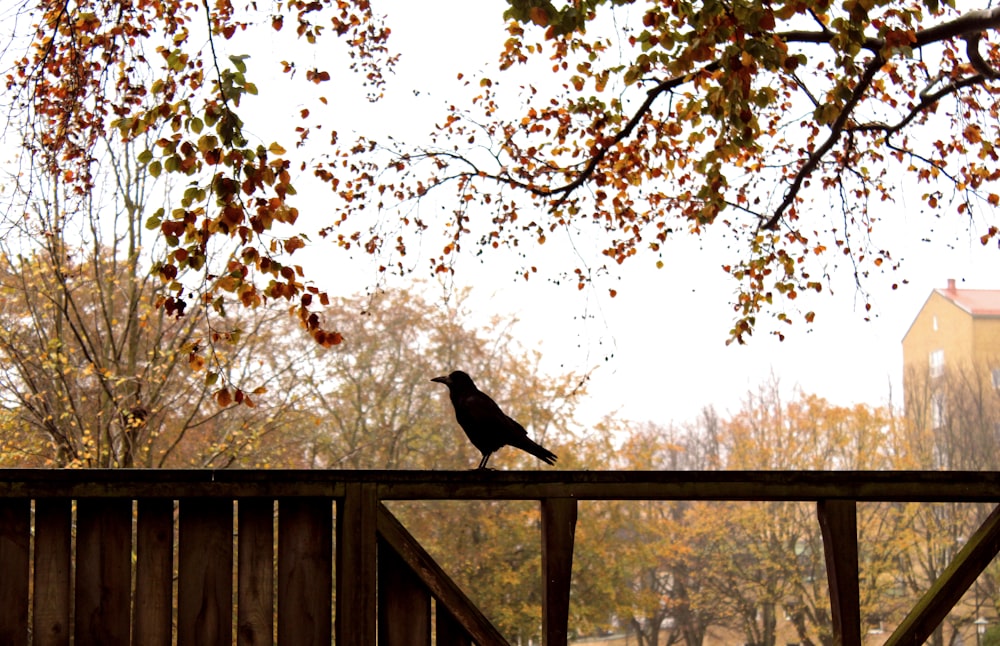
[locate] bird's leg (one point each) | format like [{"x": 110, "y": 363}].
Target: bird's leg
[{"x": 482, "y": 463}]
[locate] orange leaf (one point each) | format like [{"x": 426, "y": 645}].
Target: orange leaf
[{"x": 539, "y": 16}]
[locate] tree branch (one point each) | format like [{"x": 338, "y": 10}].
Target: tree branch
[
  {"x": 664, "y": 86},
  {"x": 836, "y": 129},
  {"x": 976, "y": 58},
  {"x": 926, "y": 101},
  {"x": 971, "y": 22}
]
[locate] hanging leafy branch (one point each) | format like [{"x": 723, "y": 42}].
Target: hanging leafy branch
[
  {"x": 643, "y": 123},
  {"x": 744, "y": 118},
  {"x": 140, "y": 69}
]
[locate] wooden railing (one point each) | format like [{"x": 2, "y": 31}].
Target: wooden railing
[{"x": 385, "y": 581}]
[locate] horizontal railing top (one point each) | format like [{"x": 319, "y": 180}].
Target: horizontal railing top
[{"x": 865, "y": 486}]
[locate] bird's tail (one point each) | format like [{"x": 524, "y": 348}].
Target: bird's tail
[{"x": 537, "y": 450}]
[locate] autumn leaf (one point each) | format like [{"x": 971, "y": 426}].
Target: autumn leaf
[
  {"x": 224, "y": 398},
  {"x": 539, "y": 16}
]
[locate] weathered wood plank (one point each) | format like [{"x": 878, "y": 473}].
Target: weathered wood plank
[
  {"x": 404, "y": 604},
  {"x": 305, "y": 571},
  {"x": 103, "y": 590},
  {"x": 50, "y": 611},
  {"x": 448, "y": 631},
  {"x": 154, "y": 573},
  {"x": 357, "y": 570},
  {"x": 914, "y": 486},
  {"x": 445, "y": 591},
  {"x": 15, "y": 537},
  {"x": 205, "y": 573},
  {"x": 558, "y": 535},
  {"x": 255, "y": 590},
  {"x": 942, "y": 596},
  {"x": 838, "y": 520}
]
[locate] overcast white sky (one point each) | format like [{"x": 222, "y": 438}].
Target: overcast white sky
[{"x": 660, "y": 345}]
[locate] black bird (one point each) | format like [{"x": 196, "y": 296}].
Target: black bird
[{"x": 488, "y": 427}]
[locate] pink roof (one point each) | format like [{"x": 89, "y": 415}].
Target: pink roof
[{"x": 977, "y": 302}]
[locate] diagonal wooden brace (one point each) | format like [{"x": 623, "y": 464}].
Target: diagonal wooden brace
[{"x": 961, "y": 573}]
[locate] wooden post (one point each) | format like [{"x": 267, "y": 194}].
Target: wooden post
[
  {"x": 305, "y": 571},
  {"x": 154, "y": 573},
  {"x": 205, "y": 572},
  {"x": 103, "y": 571},
  {"x": 15, "y": 535},
  {"x": 255, "y": 588},
  {"x": 404, "y": 604},
  {"x": 357, "y": 518},
  {"x": 558, "y": 535},
  {"x": 838, "y": 520},
  {"x": 52, "y": 563}
]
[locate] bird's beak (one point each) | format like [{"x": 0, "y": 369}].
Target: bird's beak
[{"x": 442, "y": 380}]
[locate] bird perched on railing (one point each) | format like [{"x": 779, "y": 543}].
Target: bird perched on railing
[{"x": 488, "y": 427}]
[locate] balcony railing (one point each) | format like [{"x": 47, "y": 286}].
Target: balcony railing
[{"x": 385, "y": 580}]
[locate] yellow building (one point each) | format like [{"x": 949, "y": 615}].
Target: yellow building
[
  {"x": 956, "y": 328},
  {"x": 957, "y": 331}
]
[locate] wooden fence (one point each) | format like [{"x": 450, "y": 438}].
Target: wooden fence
[{"x": 122, "y": 526}]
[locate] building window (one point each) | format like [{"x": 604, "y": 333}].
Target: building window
[
  {"x": 936, "y": 363},
  {"x": 934, "y": 323},
  {"x": 937, "y": 410},
  {"x": 996, "y": 378}
]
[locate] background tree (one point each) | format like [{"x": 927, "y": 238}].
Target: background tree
[
  {"x": 664, "y": 552},
  {"x": 953, "y": 417},
  {"x": 101, "y": 368},
  {"x": 957, "y": 414},
  {"x": 375, "y": 406},
  {"x": 773, "y": 552},
  {"x": 91, "y": 379}
]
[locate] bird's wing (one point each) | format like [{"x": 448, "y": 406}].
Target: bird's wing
[
  {"x": 479, "y": 415},
  {"x": 479, "y": 409}
]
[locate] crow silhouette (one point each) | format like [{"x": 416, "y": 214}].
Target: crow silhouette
[{"x": 488, "y": 427}]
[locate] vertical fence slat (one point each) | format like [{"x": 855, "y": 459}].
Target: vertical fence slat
[
  {"x": 558, "y": 535},
  {"x": 448, "y": 631},
  {"x": 103, "y": 571},
  {"x": 357, "y": 519},
  {"x": 15, "y": 537},
  {"x": 205, "y": 572},
  {"x": 838, "y": 520},
  {"x": 255, "y": 592},
  {"x": 154, "y": 573},
  {"x": 305, "y": 571},
  {"x": 50, "y": 618},
  {"x": 404, "y": 604}
]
